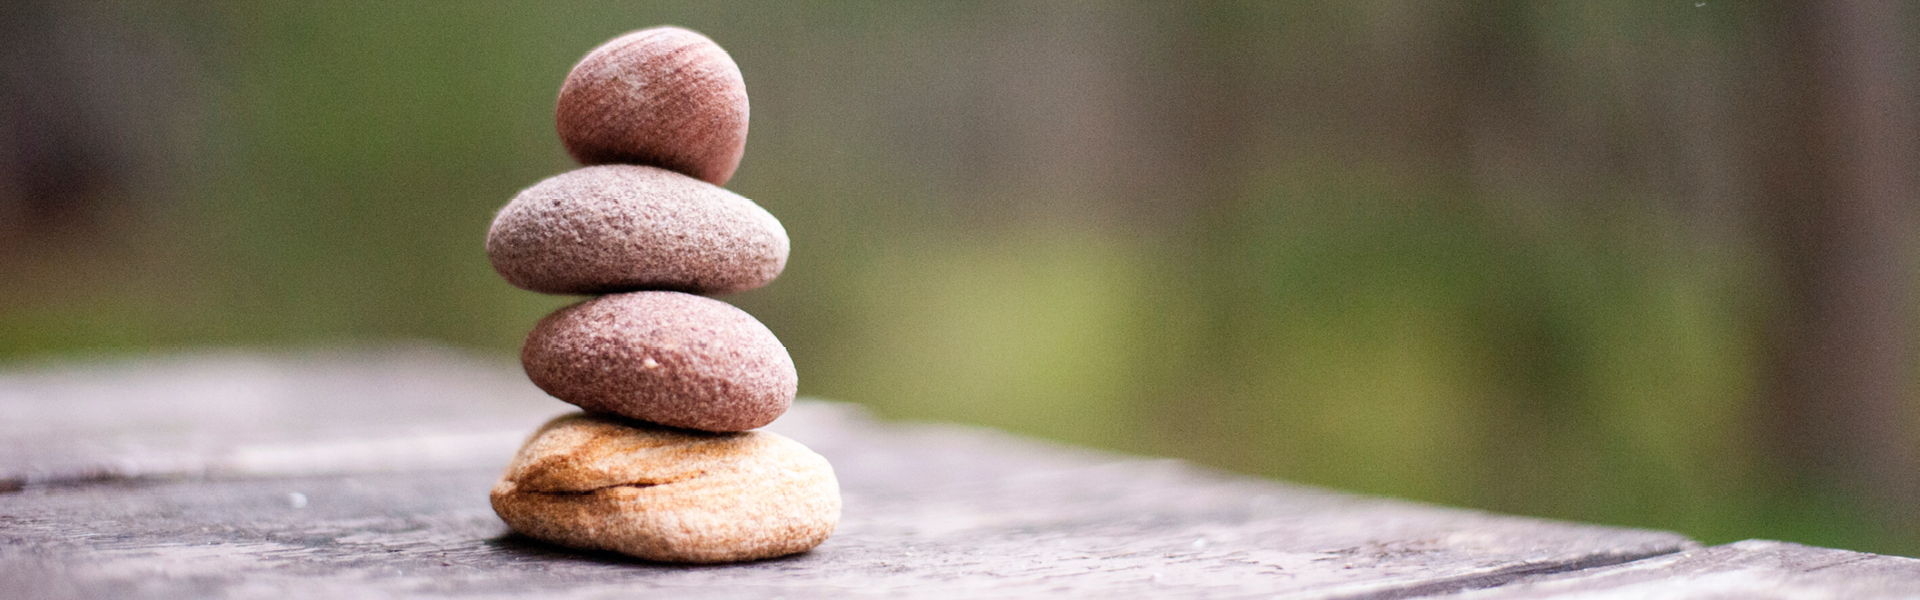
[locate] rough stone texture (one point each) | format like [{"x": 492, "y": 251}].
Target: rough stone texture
[
  {"x": 666, "y": 97},
  {"x": 1757, "y": 569},
  {"x": 931, "y": 511},
  {"x": 666, "y": 357},
  {"x": 605, "y": 483},
  {"x": 620, "y": 228}
]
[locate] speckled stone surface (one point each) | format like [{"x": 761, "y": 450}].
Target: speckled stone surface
[
  {"x": 620, "y": 228},
  {"x": 665, "y": 96},
  {"x": 605, "y": 483},
  {"x": 666, "y": 357}
]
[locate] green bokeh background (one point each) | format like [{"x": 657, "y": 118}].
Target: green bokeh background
[{"x": 1303, "y": 306}]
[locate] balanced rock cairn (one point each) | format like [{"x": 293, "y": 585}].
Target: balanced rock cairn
[{"x": 661, "y": 465}]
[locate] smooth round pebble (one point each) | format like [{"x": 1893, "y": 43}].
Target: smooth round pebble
[
  {"x": 665, "y": 96},
  {"x": 621, "y": 228},
  {"x": 666, "y": 357},
  {"x": 605, "y": 483}
]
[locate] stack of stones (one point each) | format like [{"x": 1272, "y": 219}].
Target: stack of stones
[{"x": 661, "y": 464}]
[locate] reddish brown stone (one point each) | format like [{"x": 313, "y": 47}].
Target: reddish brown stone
[
  {"x": 666, "y": 97},
  {"x": 666, "y": 357},
  {"x": 621, "y": 228}
]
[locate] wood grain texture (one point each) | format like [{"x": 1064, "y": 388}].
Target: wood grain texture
[
  {"x": 143, "y": 479},
  {"x": 1757, "y": 569},
  {"x": 236, "y": 413}
]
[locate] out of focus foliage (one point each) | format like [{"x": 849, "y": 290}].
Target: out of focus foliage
[{"x": 1494, "y": 254}]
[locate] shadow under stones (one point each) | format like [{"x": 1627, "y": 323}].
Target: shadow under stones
[{"x": 529, "y": 549}]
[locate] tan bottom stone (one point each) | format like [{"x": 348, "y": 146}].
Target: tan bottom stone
[{"x": 607, "y": 483}]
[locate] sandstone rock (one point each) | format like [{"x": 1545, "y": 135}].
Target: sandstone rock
[
  {"x": 605, "y": 483},
  {"x": 619, "y": 228},
  {"x": 670, "y": 358},
  {"x": 666, "y": 97}
]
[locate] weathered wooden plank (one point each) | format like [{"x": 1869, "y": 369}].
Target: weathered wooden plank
[
  {"x": 238, "y": 413},
  {"x": 1759, "y": 569},
  {"x": 931, "y": 511}
]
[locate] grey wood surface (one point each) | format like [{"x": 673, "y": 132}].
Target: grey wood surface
[
  {"x": 365, "y": 473},
  {"x": 1756, "y": 569},
  {"x": 238, "y": 413}
]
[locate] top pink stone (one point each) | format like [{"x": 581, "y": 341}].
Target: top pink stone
[{"x": 664, "y": 97}]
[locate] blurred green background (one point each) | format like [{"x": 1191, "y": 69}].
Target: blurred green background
[{"x": 1595, "y": 261}]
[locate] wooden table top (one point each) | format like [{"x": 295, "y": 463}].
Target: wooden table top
[{"x": 365, "y": 473}]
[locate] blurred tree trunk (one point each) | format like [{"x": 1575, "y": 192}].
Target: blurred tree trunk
[
  {"x": 1478, "y": 85},
  {"x": 1837, "y": 138},
  {"x": 1195, "y": 112}
]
